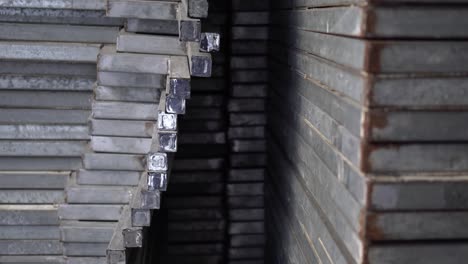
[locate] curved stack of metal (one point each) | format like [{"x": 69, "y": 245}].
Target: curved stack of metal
[{"x": 161, "y": 46}]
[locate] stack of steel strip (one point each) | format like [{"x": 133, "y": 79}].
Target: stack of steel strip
[
  {"x": 48, "y": 55},
  {"x": 193, "y": 206},
  {"x": 368, "y": 132},
  {"x": 247, "y": 120},
  {"x": 184, "y": 49}
]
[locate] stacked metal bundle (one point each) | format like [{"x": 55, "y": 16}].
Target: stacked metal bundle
[
  {"x": 193, "y": 208},
  {"x": 161, "y": 47},
  {"x": 368, "y": 132},
  {"x": 247, "y": 120},
  {"x": 47, "y": 70}
]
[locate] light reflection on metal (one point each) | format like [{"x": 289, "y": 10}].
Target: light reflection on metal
[
  {"x": 157, "y": 162},
  {"x": 167, "y": 122}
]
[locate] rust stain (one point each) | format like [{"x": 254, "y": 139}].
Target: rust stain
[
  {"x": 372, "y": 56},
  {"x": 370, "y": 21},
  {"x": 371, "y": 119},
  {"x": 149, "y": 127},
  {"x": 366, "y": 147},
  {"x": 378, "y": 119},
  {"x": 368, "y": 92},
  {"x": 373, "y": 232},
  {"x": 364, "y": 218}
]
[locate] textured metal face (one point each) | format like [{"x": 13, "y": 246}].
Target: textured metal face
[
  {"x": 210, "y": 42},
  {"x": 175, "y": 105},
  {"x": 157, "y": 181},
  {"x": 167, "y": 142},
  {"x": 167, "y": 122},
  {"x": 157, "y": 162},
  {"x": 179, "y": 87}
]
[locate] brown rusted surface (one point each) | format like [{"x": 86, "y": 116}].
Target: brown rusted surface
[
  {"x": 370, "y": 20},
  {"x": 373, "y": 118},
  {"x": 372, "y": 56},
  {"x": 363, "y": 218},
  {"x": 366, "y": 148},
  {"x": 368, "y": 92},
  {"x": 149, "y": 127},
  {"x": 373, "y": 232},
  {"x": 378, "y": 119}
]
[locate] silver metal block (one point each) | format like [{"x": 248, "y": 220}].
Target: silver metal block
[
  {"x": 133, "y": 237},
  {"x": 157, "y": 181},
  {"x": 175, "y": 105},
  {"x": 157, "y": 162},
  {"x": 167, "y": 122},
  {"x": 210, "y": 42},
  {"x": 141, "y": 217},
  {"x": 150, "y": 199},
  {"x": 179, "y": 87},
  {"x": 167, "y": 142}
]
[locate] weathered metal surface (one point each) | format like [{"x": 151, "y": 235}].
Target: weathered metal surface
[
  {"x": 108, "y": 161},
  {"x": 60, "y": 33},
  {"x": 433, "y": 194},
  {"x": 30, "y": 247},
  {"x": 106, "y": 177},
  {"x": 58, "y": 148},
  {"x": 128, "y": 128},
  {"x": 32, "y": 196},
  {"x": 40, "y": 163},
  {"x": 25, "y": 75},
  {"x": 163, "y": 10},
  {"x": 101, "y": 195},
  {"x": 127, "y": 94},
  {"x": 43, "y": 116},
  {"x": 432, "y": 253},
  {"x": 110, "y": 60},
  {"x": 58, "y": 16},
  {"x": 45, "y": 99},
  {"x": 59, "y": 132},
  {"x": 126, "y": 79},
  {"x": 379, "y": 21},
  {"x": 84, "y": 249},
  {"x": 165, "y": 27},
  {"x": 86, "y": 232},
  {"x": 89, "y": 212},
  {"x": 120, "y": 144},
  {"x": 86, "y": 260},
  {"x": 416, "y": 226},
  {"x": 58, "y": 4},
  {"x": 33, "y": 180},
  {"x": 49, "y": 51},
  {"x": 30, "y": 232},
  {"x": 414, "y": 56},
  {"x": 121, "y": 110},
  {"x": 197, "y": 8},
  {"x": 405, "y": 90},
  {"x": 150, "y": 44},
  {"x": 33, "y": 259}
]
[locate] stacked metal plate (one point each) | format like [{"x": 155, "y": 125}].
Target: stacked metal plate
[
  {"x": 161, "y": 47},
  {"x": 193, "y": 208},
  {"x": 247, "y": 120},
  {"x": 47, "y": 71},
  {"x": 368, "y": 132}
]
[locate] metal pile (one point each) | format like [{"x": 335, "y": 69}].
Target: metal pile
[
  {"x": 50, "y": 212},
  {"x": 368, "y": 132},
  {"x": 149, "y": 55},
  {"x": 192, "y": 218},
  {"x": 47, "y": 70},
  {"x": 247, "y": 120}
]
